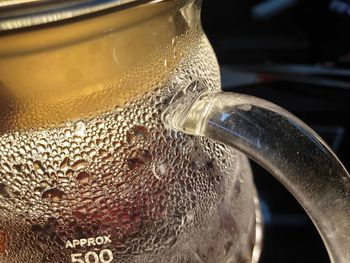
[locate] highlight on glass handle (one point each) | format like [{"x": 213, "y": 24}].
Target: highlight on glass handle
[{"x": 284, "y": 146}]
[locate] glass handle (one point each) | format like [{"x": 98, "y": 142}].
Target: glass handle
[{"x": 284, "y": 146}]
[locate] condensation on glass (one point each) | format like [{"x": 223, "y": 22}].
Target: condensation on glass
[{"x": 116, "y": 144}]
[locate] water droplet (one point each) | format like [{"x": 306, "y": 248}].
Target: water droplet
[
  {"x": 38, "y": 167},
  {"x": 103, "y": 152},
  {"x": 99, "y": 125},
  {"x": 118, "y": 109},
  {"x": 159, "y": 170},
  {"x": 22, "y": 151},
  {"x": 83, "y": 177},
  {"x": 42, "y": 141},
  {"x": 65, "y": 163},
  {"x": 6, "y": 167},
  {"x": 41, "y": 148},
  {"x": 44, "y": 184},
  {"x": 130, "y": 138},
  {"x": 79, "y": 164},
  {"x": 171, "y": 241},
  {"x": 92, "y": 153},
  {"x": 68, "y": 133},
  {"x": 80, "y": 128},
  {"x": 60, "y": 174},
  {"x": 118, "y": 117},
  {"x": 69, "y": 172},
  {"x": 108, "y": 158},
  {"x": 99, "y": 143},
  {"x": 53, "y": 194}
]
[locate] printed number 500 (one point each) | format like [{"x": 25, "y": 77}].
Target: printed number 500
[{"x": 105, "y": 256}]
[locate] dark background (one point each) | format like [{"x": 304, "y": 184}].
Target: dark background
[{"x": 250, "y": 35}]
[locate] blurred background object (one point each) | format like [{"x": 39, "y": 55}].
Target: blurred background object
[{"x": 296, "y": 54}]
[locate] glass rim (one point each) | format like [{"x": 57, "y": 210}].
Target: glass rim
[{"x": 24, "y": 14}]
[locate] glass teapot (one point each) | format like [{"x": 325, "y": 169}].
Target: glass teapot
[{"x": 117, "y": 145}]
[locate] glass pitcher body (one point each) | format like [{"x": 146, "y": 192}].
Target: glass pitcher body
[{"x": 88, "y": 171}]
